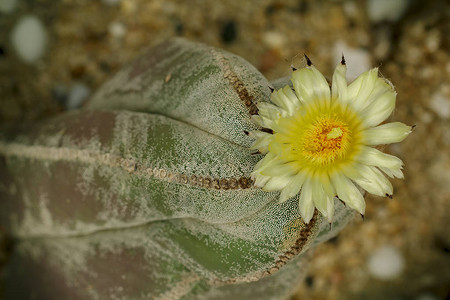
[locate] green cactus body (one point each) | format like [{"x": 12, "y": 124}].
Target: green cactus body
[{"x": 145, "y": 193}]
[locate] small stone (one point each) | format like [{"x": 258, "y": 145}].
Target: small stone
[
  {"x": 117, "y": 30},
  {"x": 77, "y": 95},
  {"x": 8, "y": 6},
  {"x": 350, "y": 9},
  {"x": 386, "y": 10},
  {"x": 385, "y": 263},
  {"x": 60, "y": 93},
  {"x": 440, "y": 104},
  {"x": 274, "y": 39},
  {"x": 29, "y": 39}
]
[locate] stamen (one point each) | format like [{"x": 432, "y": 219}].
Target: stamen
[
  {"x": 334, "y": 133},
  {"x": 326, "y": 141}
]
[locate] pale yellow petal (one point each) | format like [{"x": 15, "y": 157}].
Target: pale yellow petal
[
  {"x": 320, "y": 198},
  {"x": 330, "y": 209},
  {"x": 373, "y": 157},
  {"x": 379, "y": 110},
  {"x": 276, "y": 183},
  {"x": 393, "y": 172},
  {"x": 260, "y": 180},
  {"x": 306, "y": 203},
  {"x": 339, "y": 84},
  {"x": 348, "y": 192},
  {"x": 386, "y": 134},
  {"x": 310, "y": 85},
  {"x": 262, "y": 141},
  {"x": 370, "y": 179},
  {"x": 280, "y": 169},
  {"x": 360, "y": 89},
  {"x": 293, "y": 187},
  {"x": 286, "y": 99}
]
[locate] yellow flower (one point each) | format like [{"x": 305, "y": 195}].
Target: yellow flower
[{"x": 320, "y": 142}]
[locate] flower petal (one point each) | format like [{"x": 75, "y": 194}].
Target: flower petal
[
  {"x": 321, "y": 199},
  {"x": 260, "y": 180},
  {"x": 339, "y": 84},
  {"x": 268, "y": 115},
  {"x": 370, "y": 179},
  {"x": 373, "y": 157},
  {"x": 258, "y": 121},
  {"x": 348, "y": 192},
  {"x": 286, "y": 99},
  {"x": 306, "y": 204},
  {"x": 359, "y": 90},
  {"x": 270, "y": 112},
  {"x": 324, "y": 179},
  {"x": 262, "y": 140},
  {"x": 267, "y": 161},
  {"x": 293, "y": 187},
  {"x": 386, "y": 134},
  {"x": 276, "y": 183},
  {"x": 379, "y": 110},
  {"x": 310, "y": 85},
  {"x": 393, "y": 172},
  {"x": 280, "y": 169},
  {"x": 330, "y": 209}
]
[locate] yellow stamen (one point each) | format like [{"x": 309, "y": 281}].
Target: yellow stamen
[
  {"x": 326, "y": 141},
  {"x": 334, "y": 133}
]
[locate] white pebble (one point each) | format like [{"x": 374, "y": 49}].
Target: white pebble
[
  {"x": 7, "y": 6},
  {"x": 386, "y": 10},
  {"x": 440, "y": 104},
  {"x": 274, "y": 39},
  {"x": 385, "y": 263},
  {"x": 29, "y": 38},
  {"x": 78, "y": 94},
  {"x": 357, "y": 60},
  {"x": 117, "y": 30}
]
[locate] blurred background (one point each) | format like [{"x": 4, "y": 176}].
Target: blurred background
[{"x": 55, "y": 54}]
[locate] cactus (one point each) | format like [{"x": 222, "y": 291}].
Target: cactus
[{"x": 145, "y": 193}]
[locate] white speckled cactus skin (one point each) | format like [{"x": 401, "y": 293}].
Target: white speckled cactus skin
[{"x": 145, "y": 193}]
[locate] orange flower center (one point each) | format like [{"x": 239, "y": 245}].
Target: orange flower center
[{"x": 326, "y": 141}]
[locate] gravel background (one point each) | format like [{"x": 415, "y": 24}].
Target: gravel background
[{"x": 90, "y": 40}]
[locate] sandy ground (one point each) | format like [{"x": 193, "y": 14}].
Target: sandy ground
[{"x": 90, "y": 40}]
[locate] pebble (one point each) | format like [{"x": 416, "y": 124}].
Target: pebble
[
  {"x": 117, "y": 30},
  {"x": 386, "y": 10},
  {"x": 385, "y": 263},
  {"x": 7, "y": 6},
  {"x": 440, "y": 104},
  {"x": 29, "y": 38},
  {"x": 274, "y": 39},
  {"x": 357, "y": 60},
  {"x": 77, "y": 95}
]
